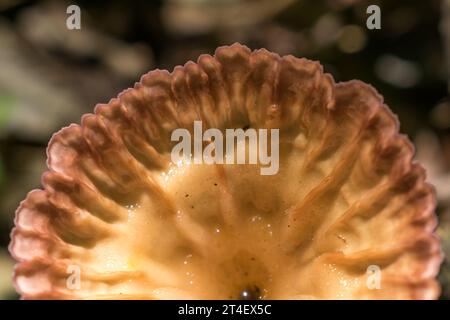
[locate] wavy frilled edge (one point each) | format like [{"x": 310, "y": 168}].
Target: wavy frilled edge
[{"x": 95, "y": 165}]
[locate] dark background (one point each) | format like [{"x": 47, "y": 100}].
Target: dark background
[{"x": 50, "y": 76}]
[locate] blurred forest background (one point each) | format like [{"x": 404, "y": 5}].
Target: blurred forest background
[{"x": 50, "y": 76}]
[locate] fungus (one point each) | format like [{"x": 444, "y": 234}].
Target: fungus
[{"x": 347, "y": 198}]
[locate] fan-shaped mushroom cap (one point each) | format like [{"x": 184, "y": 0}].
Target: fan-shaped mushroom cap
[{"x": 347, "y": 206}]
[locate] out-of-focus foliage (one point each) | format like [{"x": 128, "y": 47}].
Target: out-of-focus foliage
[
  {"x": 6, "y": 267},
  {"x": 50, "y": 75}
]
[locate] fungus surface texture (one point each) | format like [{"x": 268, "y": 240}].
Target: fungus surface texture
[{"x": 348, "y": 215}]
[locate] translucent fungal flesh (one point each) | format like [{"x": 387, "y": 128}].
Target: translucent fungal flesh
[{"x": 347, "y": 195}]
